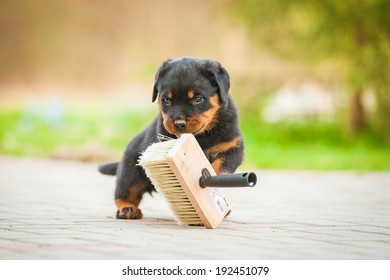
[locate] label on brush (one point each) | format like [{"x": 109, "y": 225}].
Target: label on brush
[{"x": 219, "y": 200}]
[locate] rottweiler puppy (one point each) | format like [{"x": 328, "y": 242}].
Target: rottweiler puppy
[{"x": 193, "y": 97}]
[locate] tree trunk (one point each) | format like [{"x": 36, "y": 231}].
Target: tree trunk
[
  {"x": 356, "y": 114},
  {"x": 383, "y": 111}
]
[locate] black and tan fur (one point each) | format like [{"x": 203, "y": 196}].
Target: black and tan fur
[{"x": 192, "y": 96}]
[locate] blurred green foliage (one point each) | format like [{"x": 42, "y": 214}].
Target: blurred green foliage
[
  {"x": 299, "y": 145},
  {"x": 352, "y": 35}
]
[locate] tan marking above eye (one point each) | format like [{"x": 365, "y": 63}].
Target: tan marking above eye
[{"x": 191, "y": 94}]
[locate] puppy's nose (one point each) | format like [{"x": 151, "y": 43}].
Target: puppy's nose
[{"x": 180, "y": 122}]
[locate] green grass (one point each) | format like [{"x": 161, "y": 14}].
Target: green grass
[
  {"x": 312, "y": 145},
  {"x": 39, "y": 134},
  {"x": 301, "y": 145}
]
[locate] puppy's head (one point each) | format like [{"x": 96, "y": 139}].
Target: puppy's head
[{"x": 190, "y": 93}]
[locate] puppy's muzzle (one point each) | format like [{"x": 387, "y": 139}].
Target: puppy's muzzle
[{"x": 180, "y": 122}]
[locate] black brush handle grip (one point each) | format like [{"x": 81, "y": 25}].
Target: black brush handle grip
[{"x": 247, "y": 179}]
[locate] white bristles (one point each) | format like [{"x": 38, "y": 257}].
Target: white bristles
[{"x": 154, "y": 162}]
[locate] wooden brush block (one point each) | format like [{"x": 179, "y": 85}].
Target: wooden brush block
[{"x": 186, "y": 160}]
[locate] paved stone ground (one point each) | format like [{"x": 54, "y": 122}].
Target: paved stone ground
[{"x": 65, "y": 210}]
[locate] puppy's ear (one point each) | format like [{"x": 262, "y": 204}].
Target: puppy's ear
[
  {"x": 219, "y": 77},
  {"x": 223, "y": 81},
  {"x": 159, "y": 76},
  {"x": 155, "y": 93}
]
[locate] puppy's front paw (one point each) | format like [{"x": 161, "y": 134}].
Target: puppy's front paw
[{"x": 129, "y": 212}]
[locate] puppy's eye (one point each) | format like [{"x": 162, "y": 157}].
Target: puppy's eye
[
  {"x": 167, "y": 101},
  {"x": 197, "y": 99}
]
